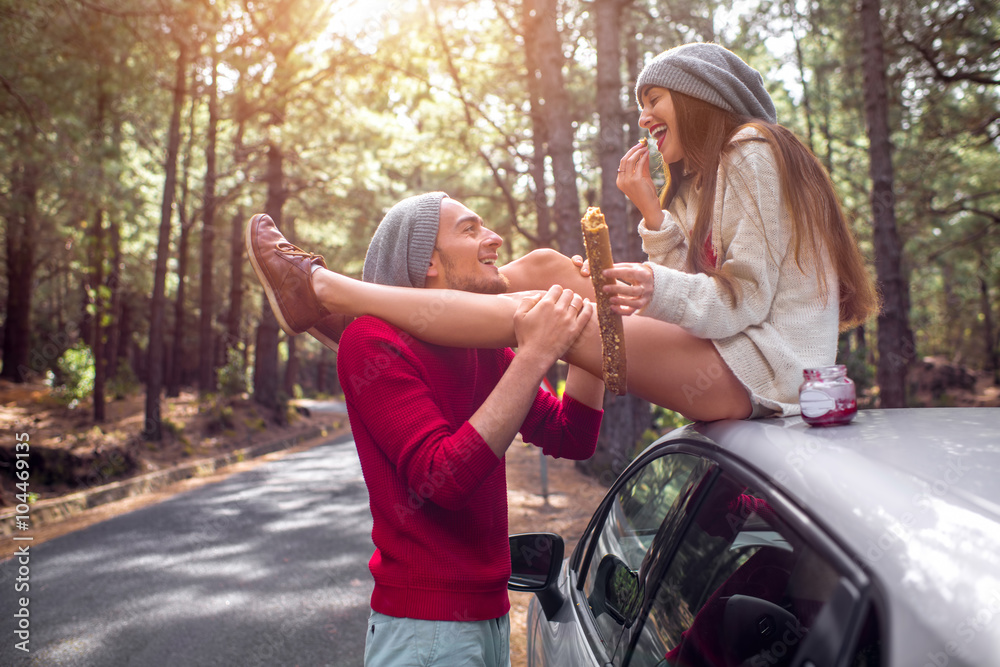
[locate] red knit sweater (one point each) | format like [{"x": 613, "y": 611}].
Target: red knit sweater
[{"x": 438, "y": 493}]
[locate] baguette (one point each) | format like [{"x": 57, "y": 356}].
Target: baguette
[{"x": 598, "y": 244}]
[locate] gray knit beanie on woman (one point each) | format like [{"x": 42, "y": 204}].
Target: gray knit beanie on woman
[
  {"x": 710, "y": 73},
  {"x": 403, "y": 243}
]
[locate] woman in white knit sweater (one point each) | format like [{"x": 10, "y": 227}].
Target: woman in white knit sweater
[
  {"x": 747, "y": 243},
  {"x": 752, "y": 271}
]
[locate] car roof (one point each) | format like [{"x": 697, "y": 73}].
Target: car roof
[{"x": 914, "y": 496}]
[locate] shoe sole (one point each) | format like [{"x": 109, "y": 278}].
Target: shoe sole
[
  {"x": 326, "y": 340},
  {"x": 272, "y": 298}
]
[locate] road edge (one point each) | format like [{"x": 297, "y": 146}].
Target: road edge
[{"x": 53, "y": 510}]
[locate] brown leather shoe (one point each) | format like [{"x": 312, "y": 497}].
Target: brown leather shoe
[
  {"x": 328, "y": 329},
  {"x": 285, "y": 271}
]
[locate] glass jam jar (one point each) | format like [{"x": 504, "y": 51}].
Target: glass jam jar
[{"x": 827, "y": 396}]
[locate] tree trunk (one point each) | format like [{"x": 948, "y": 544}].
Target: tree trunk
[
  {"x": 321, "y": 371},
  {"x": 115, "y": 306},
  {"x": 558, "y": 123},
  {"x": 237, "y": 258},
  {"x": 177, "y": 357},
  {"x": 803, "y": 80},
  {"x": 153, "y": 428},
  {"x": 633, "y": 65},
  {"x": 97, "y": 344},
  {"x": 539, "y": 132},
  {"x": 896, "y": 348},
  {"x": 625, "y": 417},
  {"x": 992, "y": 359},
  {"x": 22, "y": 223},
  {"x": 97, "y": 260},
  {"x": 206, "y": 343},
  {"x": 112, "y": 350},
  {"x": 292, "y": 365},
  {"x": 265, "y": 370},
  {"x": 611, "y": 137}
]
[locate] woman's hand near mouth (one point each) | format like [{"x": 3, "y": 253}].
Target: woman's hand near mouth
[{"x": 635, "y": 181}]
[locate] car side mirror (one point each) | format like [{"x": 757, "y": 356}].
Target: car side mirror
[
  {"x": 616, "y": 591},
  {"x": 535, "y": 561}
]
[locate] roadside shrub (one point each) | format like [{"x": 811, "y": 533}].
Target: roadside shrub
[
  {"x": 221, "y": 417},
  {"x": 75, "y": 378},
  {"x": 233, "y": 376},
  {"x": 124, "y": 382}
]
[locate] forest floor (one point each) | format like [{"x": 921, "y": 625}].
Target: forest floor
[{"x": 70, "y": 452}]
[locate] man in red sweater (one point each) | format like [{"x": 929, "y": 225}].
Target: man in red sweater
[{"x": 432, "y": 425}]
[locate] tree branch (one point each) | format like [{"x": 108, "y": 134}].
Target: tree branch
[
  {"x": 930, "y": 56},
  {"x": 23, "y": 103}
]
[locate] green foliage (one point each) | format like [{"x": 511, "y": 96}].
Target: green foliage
[
  {"x": 233, "y": 377},
  {"x": 175, "y": 429},
  {"x": 664, "y": 421},
  {"x": 221, "y": 416},
  {"x": 123, "y": 383},
  {"x": 75, "y": 377},
  {"x": 257, "y": 424}
]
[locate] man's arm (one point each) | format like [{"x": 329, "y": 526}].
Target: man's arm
[{"x": 545, "y": 326}]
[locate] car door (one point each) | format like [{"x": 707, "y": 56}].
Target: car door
[
  {"x": 750, "y": 581},
  {"x": 639, "y": 507}
]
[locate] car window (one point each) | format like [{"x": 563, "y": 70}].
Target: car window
[
  {"x": 740, "y": 574},
  {"x": 633, "y": 520}
]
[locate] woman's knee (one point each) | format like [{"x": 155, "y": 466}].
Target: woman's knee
[
  {"x": 539, "y": 269},
  {"x": 548, "y": 262}
]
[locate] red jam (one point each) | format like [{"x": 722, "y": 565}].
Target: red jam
[{"x": 827, "y": 396}]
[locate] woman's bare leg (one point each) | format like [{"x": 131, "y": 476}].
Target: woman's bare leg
[
  {"x": 672, "y": 368},
  {"x": 451, "y": 318},
  {"x": 540, "y": 269},
  {"x": 666, "y": 364}
]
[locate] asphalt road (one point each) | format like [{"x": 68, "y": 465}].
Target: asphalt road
[{"x": 268, "y": 567}]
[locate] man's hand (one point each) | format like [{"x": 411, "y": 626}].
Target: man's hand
[
  {"x": 546, "y": 325},
  {"x": 633, "y": 289}
]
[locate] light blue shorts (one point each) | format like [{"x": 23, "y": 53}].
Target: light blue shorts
[{"x": 408, "y": 642}]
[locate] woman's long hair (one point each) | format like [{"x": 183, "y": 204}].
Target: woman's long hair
[{"x": 705, "y": 133}]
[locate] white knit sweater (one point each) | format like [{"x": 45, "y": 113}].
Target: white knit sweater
[{"x": 782, "y": 322}]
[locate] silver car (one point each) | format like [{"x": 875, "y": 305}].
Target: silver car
[{"x": 772, "y": 543}]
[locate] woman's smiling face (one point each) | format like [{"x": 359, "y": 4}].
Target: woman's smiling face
[{"x": 659, "y": 118}]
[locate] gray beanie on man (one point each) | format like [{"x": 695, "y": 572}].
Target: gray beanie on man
[
  {"x": 710, "y": 73},
  {"x": 401, "y": 248}
]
